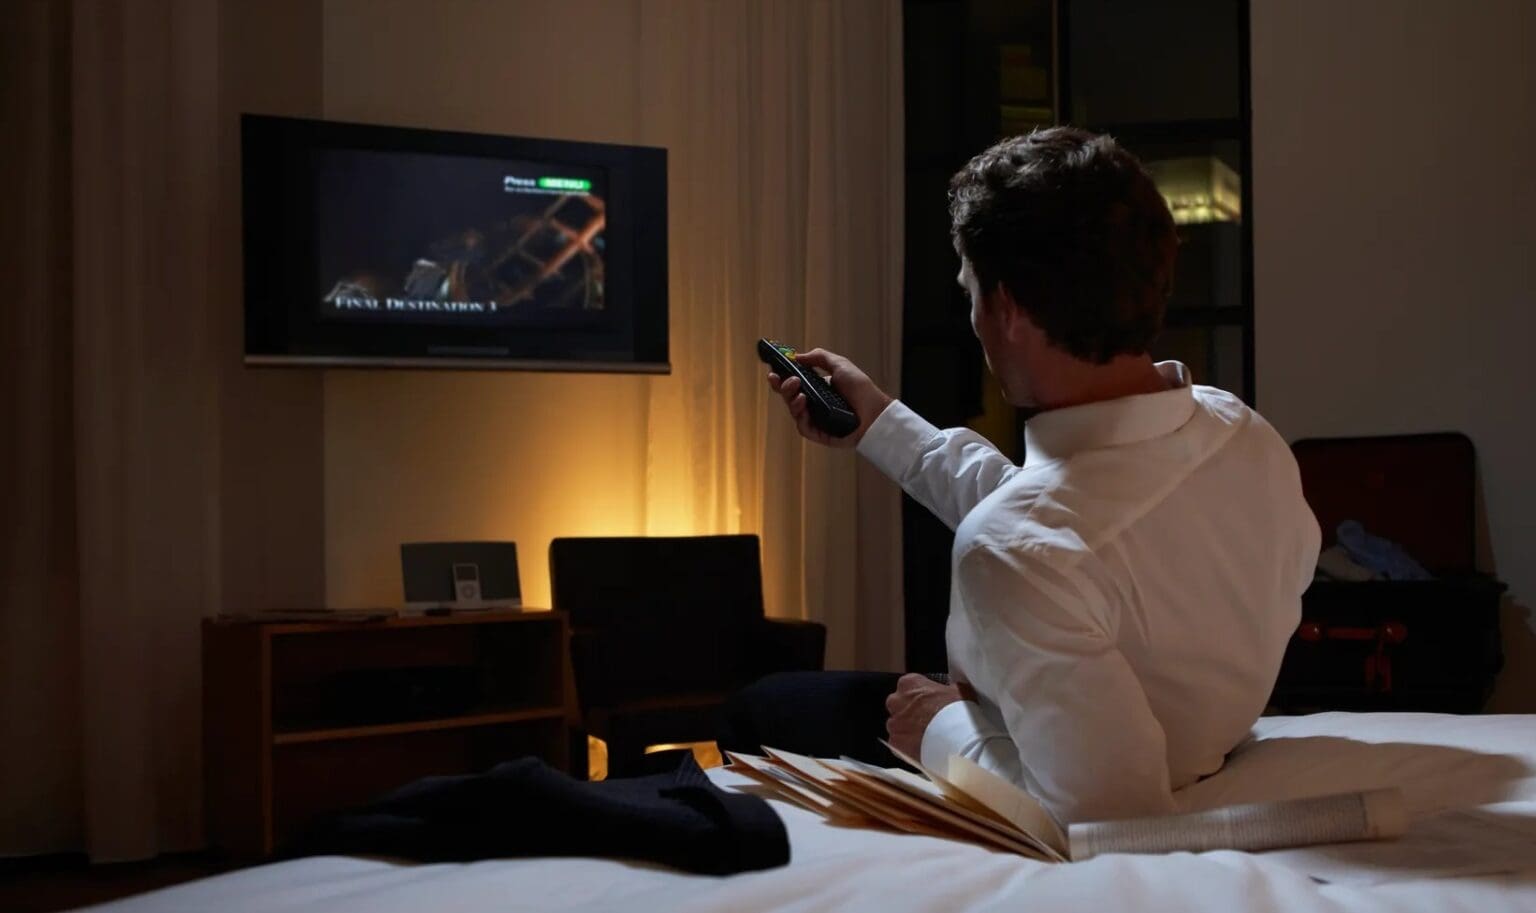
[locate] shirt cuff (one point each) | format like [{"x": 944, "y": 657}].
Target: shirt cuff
[
  {"x": 958, "y": 728},
  {"x": 894, "y": 438}
]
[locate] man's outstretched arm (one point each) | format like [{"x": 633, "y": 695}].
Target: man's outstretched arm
[{"x": 947, "y": 471}]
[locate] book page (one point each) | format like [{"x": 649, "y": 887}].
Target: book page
[
  {"x": 1373, "y": 815},
  {"x": 765, "y": 773},
  {"x": 924, "y": 797},
  {"x": 1014, "y": 804},
  {"x": 902, "y": 801},
  {"x": 942, "y": 821},
  {"x": 949, "y": 790},
  {"x": 817, "y": 776}
]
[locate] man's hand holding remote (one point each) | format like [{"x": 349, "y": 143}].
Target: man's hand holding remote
[{"x": 866, "y": 399}]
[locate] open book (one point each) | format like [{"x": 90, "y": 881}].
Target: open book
[{"x": 970, "y": 803}]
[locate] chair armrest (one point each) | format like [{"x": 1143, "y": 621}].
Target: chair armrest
[{"x": 786, "y": 645}]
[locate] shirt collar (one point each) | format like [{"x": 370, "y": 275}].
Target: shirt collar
[{"x": 1059, "y": 433}]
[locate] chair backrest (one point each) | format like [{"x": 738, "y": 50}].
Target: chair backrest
[
  {"x": 609, "y": 582},
  {"x": 652, "y": 616}
]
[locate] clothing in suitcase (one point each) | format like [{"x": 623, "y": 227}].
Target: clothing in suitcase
[{"x": 1431, "y": 645}]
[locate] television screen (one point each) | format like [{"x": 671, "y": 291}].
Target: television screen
[{"x": 393, "y": 247}]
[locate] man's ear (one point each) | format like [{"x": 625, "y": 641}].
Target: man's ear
[
  {"x": 1012, "y": 317},
  {"x": 1019, "y": 329}
]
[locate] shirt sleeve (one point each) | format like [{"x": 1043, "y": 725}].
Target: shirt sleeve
[
  {"x": 1081, "y": 736},
  {"x": 947, "y": 471},
  {"x": 962, "y": 729}
]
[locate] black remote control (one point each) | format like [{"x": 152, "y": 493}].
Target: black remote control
[{"x": 829, "y": 411}]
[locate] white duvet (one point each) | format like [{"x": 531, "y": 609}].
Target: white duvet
[{"x": 1470, "y": 781}]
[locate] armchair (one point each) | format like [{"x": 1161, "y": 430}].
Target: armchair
[{"x": 663, "y": 630}]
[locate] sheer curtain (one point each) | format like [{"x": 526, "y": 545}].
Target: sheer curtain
[
  {"x": 40, "y": 773},
  {"x": 784, "y": 123},
  {"x": 110, "y": 541}
]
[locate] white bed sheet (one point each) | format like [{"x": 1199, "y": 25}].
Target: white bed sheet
[{"x": 1443, "y": 763}]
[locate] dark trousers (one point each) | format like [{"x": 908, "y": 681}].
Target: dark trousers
[{"x": 821, "y": 714}]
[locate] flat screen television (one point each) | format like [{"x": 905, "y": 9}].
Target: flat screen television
[{"x": 390, "y": 247}]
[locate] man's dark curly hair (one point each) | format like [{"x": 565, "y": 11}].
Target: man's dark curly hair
[{"x": 1073, "y": 227}]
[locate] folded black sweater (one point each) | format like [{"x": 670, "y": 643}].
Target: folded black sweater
[{"x": 526, "y": 808}]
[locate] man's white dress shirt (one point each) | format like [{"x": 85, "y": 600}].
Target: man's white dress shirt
[{"x": 1121, "y": 602}]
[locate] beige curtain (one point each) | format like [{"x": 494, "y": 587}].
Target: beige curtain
[
  {"x": 114, "y": 463},
  {"x": 784, "y": 123}
]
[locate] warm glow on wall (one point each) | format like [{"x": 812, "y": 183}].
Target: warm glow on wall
[{"x": 448, "y": 456}]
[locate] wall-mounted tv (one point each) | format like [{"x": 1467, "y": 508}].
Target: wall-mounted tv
[{"x": 372, "y": 246}]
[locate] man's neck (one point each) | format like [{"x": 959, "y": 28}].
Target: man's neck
[{"x": 1073, "y": 382}]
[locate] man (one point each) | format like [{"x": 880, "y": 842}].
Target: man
[{"x": 1121, "y": 602}]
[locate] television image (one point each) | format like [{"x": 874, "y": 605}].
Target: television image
[{"x": 390, "y": 247}]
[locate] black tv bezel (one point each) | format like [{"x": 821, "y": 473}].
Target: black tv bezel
[{"x": 278, "y": 246}]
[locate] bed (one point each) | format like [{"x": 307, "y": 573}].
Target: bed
[{"x": 1469, "y": 781}]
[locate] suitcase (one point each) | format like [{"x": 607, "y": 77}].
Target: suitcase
[{"x": 1429, "y": 645}]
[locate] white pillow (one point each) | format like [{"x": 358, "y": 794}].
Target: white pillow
[{"x": 1440, "y": 761}]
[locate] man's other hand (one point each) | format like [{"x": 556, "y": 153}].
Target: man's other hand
[
  {"x": 867, "y": 400},
  {"x": 912, "y": 707}
]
